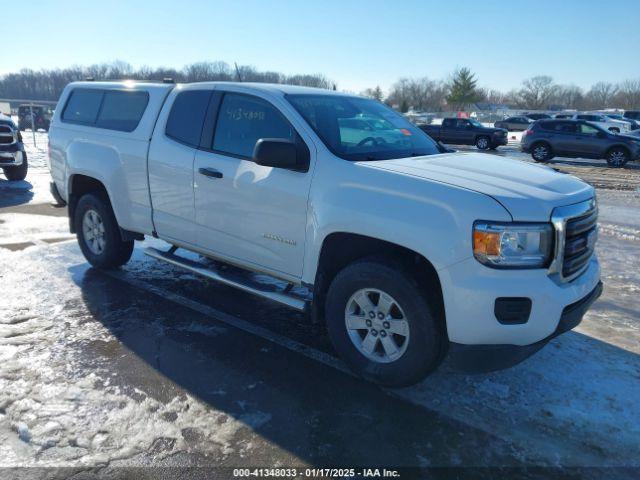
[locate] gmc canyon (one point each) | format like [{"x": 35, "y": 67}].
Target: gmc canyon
[
  {"x": 465, "y": 131},
  {"x": 407, "y": 253}
]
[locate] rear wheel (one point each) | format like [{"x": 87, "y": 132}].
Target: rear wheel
[
  {"x": 483, "y": 143},
  {"x": 382, "y": 325},
  {"x": 541, "y": 152},
  {"x": 18, "y": 172},
  {"x": 99, "y": 234},
  {"x": 617, "y": 157}
]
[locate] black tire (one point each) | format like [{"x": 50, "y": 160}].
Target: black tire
[
  {"x": 617, "y": 157},
  {"x": 115, "y": 252},
  {"x": 426, "y": 343},
  {"x": 483, "y": 142},
  {"x": 541, "y": 152},
  {"x": 15, "y": 174}
]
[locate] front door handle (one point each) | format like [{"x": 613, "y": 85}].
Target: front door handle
[{"x": 210, "y": 172}]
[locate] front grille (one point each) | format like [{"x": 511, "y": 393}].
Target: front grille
[
  {"x": 6, "y": 135},
  {"x": 576, "y": 234},
  {"x": 580, "y": 241}
]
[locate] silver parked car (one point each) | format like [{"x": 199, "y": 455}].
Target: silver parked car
[{"x": 515, "y": 124}]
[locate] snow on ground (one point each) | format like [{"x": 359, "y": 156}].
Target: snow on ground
[{"x": 52, "y": 413}]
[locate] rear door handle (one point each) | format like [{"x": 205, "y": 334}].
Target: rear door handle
[{"x": 210, "y": 172}]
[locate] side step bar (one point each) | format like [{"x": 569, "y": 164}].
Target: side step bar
[{"x": 283, "y": 297}]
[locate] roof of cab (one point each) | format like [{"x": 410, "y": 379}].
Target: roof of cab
[{"x": 273, "y": 88}]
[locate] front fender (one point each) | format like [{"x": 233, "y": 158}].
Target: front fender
[{"x": 427, "y": 217}]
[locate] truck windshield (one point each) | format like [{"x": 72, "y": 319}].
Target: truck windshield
[{"x": 356, "y": 128}]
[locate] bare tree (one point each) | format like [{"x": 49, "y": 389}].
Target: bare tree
[
  {"x": 568, "y": 96},
  {"x": 628, "y": 95},
  {"x": 601, "y": 95},
  {"x": 494, "y": 96},
  {"x": 375, "y": 93},
  {"x": 536, "y": 92},
  {"x": 418, "y": 93}
]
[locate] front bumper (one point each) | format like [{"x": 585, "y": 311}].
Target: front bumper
[
  {"x": 11, "y": 155},
  {"x": 470, "y": 290},
  {"x": 487, "y": 358},
  {"x": 500, "y": 140}
]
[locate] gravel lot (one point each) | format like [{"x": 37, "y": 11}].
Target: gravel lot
[{"x": 150, "y": 366}]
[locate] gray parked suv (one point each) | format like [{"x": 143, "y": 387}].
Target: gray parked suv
[{"x": 578, "y": 138}]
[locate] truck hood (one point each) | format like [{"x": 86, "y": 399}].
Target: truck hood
[{"x": 528, "y": 191}]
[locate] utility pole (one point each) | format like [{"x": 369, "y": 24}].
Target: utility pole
[
  {"x": 33, "y": 125},
  {"x": 238, "y": 72}
]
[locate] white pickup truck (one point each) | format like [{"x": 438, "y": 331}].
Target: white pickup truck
[{"x": 408, "y": 251}]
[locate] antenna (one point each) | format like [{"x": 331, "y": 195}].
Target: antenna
[{"x": 238, "y": 72}]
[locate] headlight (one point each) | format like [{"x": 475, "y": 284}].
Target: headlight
[{"x": 513, "y": 245}]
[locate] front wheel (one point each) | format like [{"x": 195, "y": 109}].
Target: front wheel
[
  {"x": 98, "y": 233},
  {"x": 382, "y": 325},
  {"x": 617, "y": 157},
  {"x": 18, "y": 172},
  {"x": 483, "y": 143}
]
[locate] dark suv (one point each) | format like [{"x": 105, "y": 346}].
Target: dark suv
[
  {"x": 577, "y": 138},
  {"x": 41, "y": 117}
]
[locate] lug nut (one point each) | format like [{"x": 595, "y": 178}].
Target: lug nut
[
  {"x": 372, "y": 314},
  {"x": 380, "y": 315},
  {"x": 386, "y": 325},
  {"x": 383, "y": 333},
  {"x": 368, "y": 322},
  {"x": 374, "y": 332}
]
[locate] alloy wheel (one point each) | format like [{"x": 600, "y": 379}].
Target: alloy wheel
[
  {"x": 540, "y": 152},
  {"x": 617, "y": 158},
  {"x": 93, "y": 232},
  {"x": 377, "y": 325}
]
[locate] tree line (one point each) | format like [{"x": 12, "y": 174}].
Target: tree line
[
  {"x": 461, "y": 91},
  {"x": 48, "y": 84}
]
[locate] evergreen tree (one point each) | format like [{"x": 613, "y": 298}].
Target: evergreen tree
[{"x": 463, "y": 89}]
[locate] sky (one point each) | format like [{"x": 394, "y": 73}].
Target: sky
[{"x": 357, "y": 44}]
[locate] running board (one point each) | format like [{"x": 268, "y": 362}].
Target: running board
[{"x": 283, "y": 297}]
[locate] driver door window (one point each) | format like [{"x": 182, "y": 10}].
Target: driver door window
[{"x": 243, "y": 120}]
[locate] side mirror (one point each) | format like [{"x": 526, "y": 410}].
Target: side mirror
[
  {"x": 279, "y": 153},
  {"x": 444, "y": 149}
]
